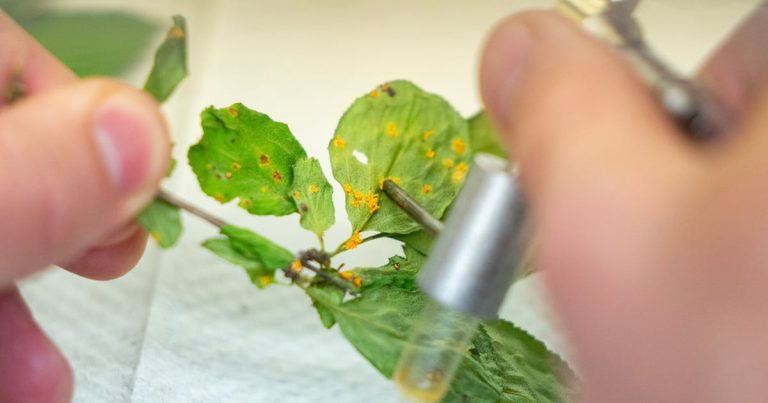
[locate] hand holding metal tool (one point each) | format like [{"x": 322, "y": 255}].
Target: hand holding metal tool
[{"x": 484, "y": 240}]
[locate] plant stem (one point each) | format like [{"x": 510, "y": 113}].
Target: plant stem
[
  {"x": 194, "y": 210},
  {"x": 401, "y": 198},
  {"x": 341, "y": 249},
  {"x": 333, "y": 280}
]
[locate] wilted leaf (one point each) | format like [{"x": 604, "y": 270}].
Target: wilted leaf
[
  {"x": 484, "y": 137},
  {"x": 244, "y": 154},
  {"x": 163, "y": 222},
  {"x": 313, "y": 196},
  {"x": 402, "y": 133}
]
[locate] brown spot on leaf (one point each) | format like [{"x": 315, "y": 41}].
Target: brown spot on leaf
[
  {"x": 264, "y": 160},
  {"x": 232, "y": 111},
  {"x": 388, "y": 89},
  {"x": 277, "y": 176},
  {"x": 303, "y": 208}
]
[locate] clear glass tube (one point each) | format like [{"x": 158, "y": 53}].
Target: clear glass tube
[{"x": 433, "y": 354}]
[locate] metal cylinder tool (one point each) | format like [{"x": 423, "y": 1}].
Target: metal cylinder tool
[{"x": 474, "y": 260}]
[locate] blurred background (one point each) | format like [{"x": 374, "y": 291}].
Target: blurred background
[{"x": 187, "y": 327}]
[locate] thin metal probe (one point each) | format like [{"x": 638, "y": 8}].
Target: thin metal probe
[{"x": 411, "y": 207}]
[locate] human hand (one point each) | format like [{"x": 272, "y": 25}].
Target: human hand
[
  {"x": 654, "y": 249},
  {"x": 78, "y": 160}
]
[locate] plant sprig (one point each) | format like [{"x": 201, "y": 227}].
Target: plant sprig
[{"x": 400, "y": 155}]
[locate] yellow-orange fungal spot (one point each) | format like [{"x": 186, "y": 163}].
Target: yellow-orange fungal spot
[
  {"x": 175, "y": 32},
  {"x": 296, "y": 266},
  {"x": 459, "y": 173},
  {"x": 346, "y": 275},
  {"x": 457, "y": 177},
  {"x": 264, "y": 281},
  {"x": 296, "y": 195},
  {"x": 228, "y": 175},
  {"x": 427, "y": 134},
  {"x": 354, "y": 241},
  {"x": 236, "y": 166},
  {"x": 458, "y": 146},
  {"x": 394, "y": 179},
  {"x": 392, "y": 130},
  {"x": 232, "y": 112},
  {"x": 313, "y": 188},
  {"x": 448, "y": 163},
  {"x": 430, "y": 153},
  {"x": 339, "y": 143},
  {"x": 219, "y": 198},
  {"x": 277, "y": 176},
  {"x": 374, "y": 94},
  {"x": 357, "y": 281},
  {"x": 264, "y": 189},
  {"x": 357, "y": 198},
  {"x": 347, "y": 188},
  {"x": 264, "y": 160},
  {"x": 372, "y": 202},
  {"x": 155, "y": 236},
  {"x": 426, "y": 189},
  {"x": 247, "y": 203}
]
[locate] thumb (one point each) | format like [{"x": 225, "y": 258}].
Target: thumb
[{"x": 76, "y": 163}]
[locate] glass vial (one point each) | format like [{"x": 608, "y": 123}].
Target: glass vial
[{"x": 437, "y": 346}]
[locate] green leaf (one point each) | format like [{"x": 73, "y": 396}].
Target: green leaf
[
  {"x": 484, "y": 137},
  {"x": 258, "y": 256},
  {"x": 245, "y": 154},
  {"x": 170, "y": 66},
  {"x": 257, "y": 272},
  {"x": 160, "y": 219},
  {"x": 376, "y": 324},
  {"x": 163, "y": 223},
  {"x": 255, "y": 247},
  {"x": 506, "y": 364},
  {"x": 399, "y": 132},
  {"x": 322, "y": 295},
  {"x": 93, "y": 43},
  {"x": 399, "y": 271},
  {"x": 420, "y": 240},
  {"x": 313, "y": 196},
  {"x": 503, "y": 363}
]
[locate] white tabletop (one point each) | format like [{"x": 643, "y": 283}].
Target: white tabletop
[{"x": 185, "y": 326}]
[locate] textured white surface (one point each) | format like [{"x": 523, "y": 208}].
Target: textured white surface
[{"x": 187, "y": 327}]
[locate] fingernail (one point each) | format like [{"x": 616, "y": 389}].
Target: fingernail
[
  {"x": 506, "y": 57},
  {"x": 130, "y": 138}
]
